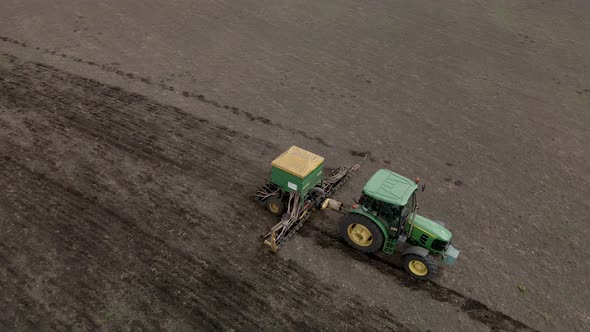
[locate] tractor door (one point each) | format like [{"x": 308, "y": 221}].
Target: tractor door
[
  {"x": 406, "y": 215},
  {"x": 387, "y": 214}
]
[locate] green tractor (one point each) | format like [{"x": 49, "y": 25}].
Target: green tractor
[{"x": 386, "y": 214}]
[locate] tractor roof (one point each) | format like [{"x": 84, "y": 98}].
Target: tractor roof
[
  {"x": 297, "y": 161},
  {"x": 390, "y": 187}
]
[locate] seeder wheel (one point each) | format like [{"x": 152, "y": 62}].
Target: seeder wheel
[{"x": 275, "y": 206}]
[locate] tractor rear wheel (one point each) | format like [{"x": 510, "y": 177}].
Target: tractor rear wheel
[
  {"x": 420, "y": 267},
  {"x": 275, "y": 206},
  {"x": 361, "y": 233}
]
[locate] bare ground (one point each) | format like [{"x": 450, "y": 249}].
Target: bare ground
[{"x": 132, "y": 140}]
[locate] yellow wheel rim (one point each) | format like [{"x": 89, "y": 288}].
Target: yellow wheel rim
[
  {"x": 418, "y": 268},
  {"x": 360, "y": 235},
  {"x": 273, "y": 207}
]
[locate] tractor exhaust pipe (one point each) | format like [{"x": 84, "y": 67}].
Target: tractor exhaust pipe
[{"x": 332, "y": 204}]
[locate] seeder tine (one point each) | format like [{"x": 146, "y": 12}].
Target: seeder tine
[{"x": 272, "y": 243}]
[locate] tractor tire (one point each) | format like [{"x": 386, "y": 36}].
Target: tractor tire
[
  {"x": 275, "y": 206},
  {"x": 420, "y": 267},
  {"x": 361, "y": 233}
]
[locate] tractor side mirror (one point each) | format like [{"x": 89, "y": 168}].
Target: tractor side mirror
[{"x": 423, "y": 187}]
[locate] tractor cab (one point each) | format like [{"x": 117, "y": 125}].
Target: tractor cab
[
  {"x": 391, "y": 198},
  {"x": 386, "y": 214}
]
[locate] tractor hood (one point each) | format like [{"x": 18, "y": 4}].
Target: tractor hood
[{"x": 432, "y": 228}]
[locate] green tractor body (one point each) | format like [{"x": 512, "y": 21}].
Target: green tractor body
[
  {"x": 384, "y": 215},
  {"x": 388, "y": 202}
]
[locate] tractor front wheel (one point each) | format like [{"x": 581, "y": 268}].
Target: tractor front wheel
[
  {"x": 420, "y": 267},
  {"x": 275, "y": 206},
  {"x": 361, "y": 233}
]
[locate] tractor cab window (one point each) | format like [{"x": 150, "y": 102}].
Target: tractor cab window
[
  {"x": 409, "y": 207},
  {"x": 389, "y": 213},
  {"x": 385, "y": 211},
  {"x": 371, "y": 204},
  {"x": 362, "y": 199}
]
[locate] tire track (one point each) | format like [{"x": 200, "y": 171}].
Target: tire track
[
  {"x": 234, "y": 110},
  {"x": 476, "y": 310},
  {"x": 124, "y": 121}
]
